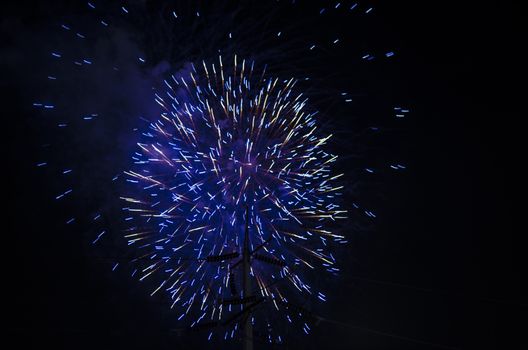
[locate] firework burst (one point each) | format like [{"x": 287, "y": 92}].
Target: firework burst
[
  {"x": 230, "y": 138},
  {"x": 228, "y": 149}
]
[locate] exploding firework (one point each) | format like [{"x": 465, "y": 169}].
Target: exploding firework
[
  {"x": 229, "y": 149},
  {"x": 231, "y": 138}
]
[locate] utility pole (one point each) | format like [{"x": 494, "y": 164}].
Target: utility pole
[
  {"x": 247, "y": 300},
  {"x": 246, "y": 255}
]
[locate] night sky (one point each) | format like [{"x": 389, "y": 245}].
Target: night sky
[{"x": 441, "y": 267}]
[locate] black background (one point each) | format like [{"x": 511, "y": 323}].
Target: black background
[{"x": 444, "y": 266}]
